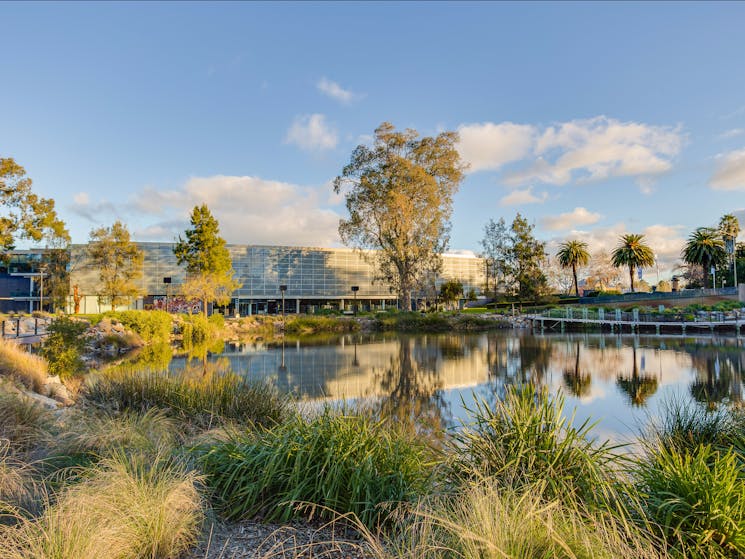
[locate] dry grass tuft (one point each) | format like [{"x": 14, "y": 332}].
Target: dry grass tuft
[
  {"x": 19, "y": 364},
  {"x": 126, "y": 508}
]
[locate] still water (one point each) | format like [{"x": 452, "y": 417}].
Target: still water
[{"x": 619, "y": 381}]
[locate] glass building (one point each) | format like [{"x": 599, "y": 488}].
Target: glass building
[{"x": 313, "y": 278}]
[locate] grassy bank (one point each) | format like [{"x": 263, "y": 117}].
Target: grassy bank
[{"x": 143, "y": 459}]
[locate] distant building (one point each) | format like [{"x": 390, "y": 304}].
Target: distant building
[
  {"x": 314, "y": 278},
  {"x": 19, "y": 281}
]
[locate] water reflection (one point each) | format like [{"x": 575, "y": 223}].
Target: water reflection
[
  {"x": 420, "y": 381},
  {"x": 637, "y": 387}
]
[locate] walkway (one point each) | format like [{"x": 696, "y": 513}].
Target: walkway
[{"x": 636, "y": 322}]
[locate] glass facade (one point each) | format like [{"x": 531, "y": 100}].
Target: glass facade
[{"x": 318, "y": 274}]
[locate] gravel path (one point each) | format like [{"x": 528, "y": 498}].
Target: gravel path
[{"x": 254, "y": 540}]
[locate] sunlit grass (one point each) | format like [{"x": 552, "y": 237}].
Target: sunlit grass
[
  {"x": 18, "y": 364},
  {"x": 126, "y": 507},
  {"x": 203, "y": 400}
]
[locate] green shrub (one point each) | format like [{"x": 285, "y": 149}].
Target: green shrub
[
  {"x": 152, "y": 326},
  {"x": 333, "y": 463},
  {"x": 196, "y": 329},
  {"x": 202, "y": 400},
  {"x": 697, "y": 500},
  {"x": 527, "y": 439},
  {"x": 64, "y": 346}
]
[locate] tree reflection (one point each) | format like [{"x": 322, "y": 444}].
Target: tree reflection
[
  {"x": 413, "y": 391},
  {"x": 577, "y": 383},
  {"x": 638, "y": 387},
  {"x": 720, "y": 382}
]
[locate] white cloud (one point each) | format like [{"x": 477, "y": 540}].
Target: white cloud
[
  {"x": 730, "y": 172},
  {"x": 732, "y": 133},
  {"x": 522, "y": 197},
  {"x": 93, "y": 212},
  {"x": 82, "y": 198},
  {"x": 311, "y": 133},
  {"x": 335, "y": 91},
  {"x": 600, "y": 148},
  {"x": 249, "y": 210},
  {"x": 577, "y": 217},
  {"x": 488, "y": 146},
  {"x": 646, "y": 185}
]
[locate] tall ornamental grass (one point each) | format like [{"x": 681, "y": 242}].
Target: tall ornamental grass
[
  {"x": 201, "y": 400},
  {"x": 527, "y": 439},
  {"x": 696, "y": 498},
  {"x": 483, "y": 521},
  {"x": 23, "y": 421},
  {"x": 126, "y": 508},
  {"x": 20, "y": 365},
  {"x": 330, "y": 464}
]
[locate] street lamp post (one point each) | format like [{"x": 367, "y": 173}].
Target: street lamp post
[
  {"x": 167, "y": 282},
  {"x": 282, "y": 289},
  {"x": 355, "y": 289},
  {"x": 42, "y": 269}
]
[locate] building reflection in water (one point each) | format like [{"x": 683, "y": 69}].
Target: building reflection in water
[{"x": 419, "y": 380}]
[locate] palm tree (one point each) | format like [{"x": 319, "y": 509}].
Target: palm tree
[
  {"x": 572, "y": 254},
  {"x": 634, "y": 253},
  {"x": 729, "y": 227},
  {"x": 705, "y": 248}
]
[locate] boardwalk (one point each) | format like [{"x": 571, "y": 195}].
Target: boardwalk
[{"x": 581, "y": 319}]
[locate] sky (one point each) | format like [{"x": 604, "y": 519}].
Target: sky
[{"x": 590, "y": 119}]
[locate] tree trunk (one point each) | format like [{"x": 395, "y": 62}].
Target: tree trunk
[
  {"x": 406, "y": 298},
  {"x": 631, "y": 277},
  {"x": 204, "y": 307},
  {"x": 576, "y": 285},
  {"x": 706, "y": 267}
]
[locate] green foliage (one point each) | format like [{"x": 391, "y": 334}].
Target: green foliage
[
  {"x": 632, "y": 252},
  {"x": 573, "y": 254},
  {"x": 451, "y": 291},
  {"x": 207, "y": 259},
  {"x": 399, "y": 195},
  {"x": 332, "y": 463},
  {"x": 197, "y": 329},
  {"x": 497, "y": 254},
  {"x": 697, "y": 500},
  {"x": 705, "y": 248},
  {"x": 64, "y": 346},
  {"x": 151, "y": 326},
  {"x": 118, "y": 261},
  {"x": 200, "y": 399},
  {"x": 527, "y": 255},
  {"x": 526, "y": 439},
  {"x": 25, "y": 215}
]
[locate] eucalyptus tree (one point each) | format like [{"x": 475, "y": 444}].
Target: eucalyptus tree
[
  {"x": 118, "y": 261},
  {"x": 632, "y": 252},
  {"x": 705, "y": 248},
  {"x": 399, "y": 195},
  {"x": 571, "y": 255},
  {"x": 23, "y": 214}
]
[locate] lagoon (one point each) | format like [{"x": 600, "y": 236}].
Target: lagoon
[{"x": 620, "y": 381}]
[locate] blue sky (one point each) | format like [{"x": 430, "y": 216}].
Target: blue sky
[{"x": 591, "y": 119}]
